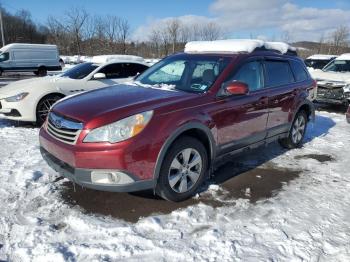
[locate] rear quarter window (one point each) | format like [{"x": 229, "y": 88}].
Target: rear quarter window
[
  {"x": 278, "y": 73},
  {"x": 299, "y": 71}
]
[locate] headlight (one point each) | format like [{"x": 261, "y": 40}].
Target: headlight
[
  {"x": 120, "y": 130},
  {"x": 16, "y": 98}
]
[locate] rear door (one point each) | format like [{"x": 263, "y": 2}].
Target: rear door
[{"x": 282, "y": 90}]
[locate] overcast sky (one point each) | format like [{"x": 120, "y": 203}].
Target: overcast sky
[{"x": 302, "y": 20}]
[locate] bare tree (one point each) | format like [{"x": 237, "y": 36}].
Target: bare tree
[
  {"x": 75, "y": 20},
  {"x": 286, "y": 37},
  {"x": 211, "y": 31},
  {"x": 123, "y": 33},
  {"x": 340, "y": 39},
  {"x": 155, "y": 39},
  {"x": 173, "y": 29}
]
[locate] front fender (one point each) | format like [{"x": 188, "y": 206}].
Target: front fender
[{"x": 191, "y": 124}]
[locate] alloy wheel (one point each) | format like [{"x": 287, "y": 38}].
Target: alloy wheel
[
  {"x": 44, "y": 108},
  {"x": 185, "y": 170},
  {"x": 298, "y": 129}
]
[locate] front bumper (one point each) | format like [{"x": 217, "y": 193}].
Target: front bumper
[
  {"x": 332, "y": 95},
  {"x": 83, "y": 177},
  {"x": 22, "y": 110}
]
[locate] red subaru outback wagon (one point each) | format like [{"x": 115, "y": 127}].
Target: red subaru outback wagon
[{"x": 166, "y": 129}]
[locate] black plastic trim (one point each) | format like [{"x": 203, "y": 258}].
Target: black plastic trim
[
  {"x": 82, "y": 176},
  {"x": 174, "y": 136}
]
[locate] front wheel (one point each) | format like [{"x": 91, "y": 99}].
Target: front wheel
[
  {"x": 44, "y": 106},
  {"x": 183, "y": 169},
  {"x": 297, "y": 131}
]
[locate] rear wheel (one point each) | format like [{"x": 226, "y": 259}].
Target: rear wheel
[
  {"x": 297, "y": 131},
  {"x": 44, "y": 106},
  {"x": 183, "y": 169},
  {"x": 42, "y": 71}
]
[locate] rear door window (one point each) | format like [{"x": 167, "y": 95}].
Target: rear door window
[
  {"x": 278, "y": 73},
  {"x": 299, "y": 71}
]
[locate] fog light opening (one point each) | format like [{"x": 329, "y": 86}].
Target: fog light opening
[
  {"x": 113, "y": 178},
  {"x": 105, "y": 177}
]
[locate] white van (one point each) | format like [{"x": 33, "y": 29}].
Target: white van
[{"x": 35, "y": 58}]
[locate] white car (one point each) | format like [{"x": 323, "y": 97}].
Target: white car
[
  {"x": 31, "y": 99},
  {"x": 333, "y": 81}
]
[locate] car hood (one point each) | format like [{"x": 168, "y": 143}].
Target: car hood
[
  {"x": 112, "y": 103},
  {"x": 330, "y": 76},
  {"x": 27, "y": 85}
]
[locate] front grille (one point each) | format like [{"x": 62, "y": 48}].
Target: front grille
[
  {"x": 330, "y": 93},
  {"x": 63, "y": 129}
]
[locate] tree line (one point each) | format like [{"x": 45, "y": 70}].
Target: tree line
[{"x": 76, "y": 32}]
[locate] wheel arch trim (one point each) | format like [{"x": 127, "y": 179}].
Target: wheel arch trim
[{"x": 176, "y": 134}]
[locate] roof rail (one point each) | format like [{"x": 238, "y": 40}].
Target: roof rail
[{"x": 288, "y": 52}]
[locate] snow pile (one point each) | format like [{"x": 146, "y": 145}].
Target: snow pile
[
  {"x": 279, "y": 46},
  {"x": 308, "y": 220},
  {"x": 155, "y": 86},
  {"x": 235, "y": 45},
  {"x": 100, "y": 59},
  {"x": 321, "y": 57},
  {"x": 152, "y": 61}
]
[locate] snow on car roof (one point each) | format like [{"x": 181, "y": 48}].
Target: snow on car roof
[
  {"x": 100, "y": 59},
  {"x": 344, "y": 57},
  {"x": 321, "y": 57},
  {"x": 235, "y": 46}
]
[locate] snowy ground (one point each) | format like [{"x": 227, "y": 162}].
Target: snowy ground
[{"x": 269, "y": 205}]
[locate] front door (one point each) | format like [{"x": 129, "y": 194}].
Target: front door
[
  {"x": 241, "y": 121},
  {"x": 114, "y": 75}
]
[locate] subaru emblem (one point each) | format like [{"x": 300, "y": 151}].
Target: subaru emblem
[{"x": 58, "y": 123}]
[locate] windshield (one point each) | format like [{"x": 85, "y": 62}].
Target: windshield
[
  {"x": 316, "y": 63},
  {"x": 4, "y": 56},
  {"x": 80, "y": 71},
  {"x": 338, "y": 66},
  {"x": 189, "y": 73}
]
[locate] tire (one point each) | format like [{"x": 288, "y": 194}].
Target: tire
[
  {"x": 183, "y": 170},
  {"x": 36, "y": 73},
  {"x": 44, "y": 106},
  {"x": 297, "y": 132},
  {"x": 42, "y": 71}
]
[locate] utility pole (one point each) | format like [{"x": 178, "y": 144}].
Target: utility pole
[{"x": 2, "y": 29}]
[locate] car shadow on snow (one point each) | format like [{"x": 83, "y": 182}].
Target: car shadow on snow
[
  {"x": 249, "y": 176},
  {"x": 13, "y": 123}
]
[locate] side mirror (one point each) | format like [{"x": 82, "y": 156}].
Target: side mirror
[
  {"x": 236, "y": 88},
  {"x": 98, "y": 76}
]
